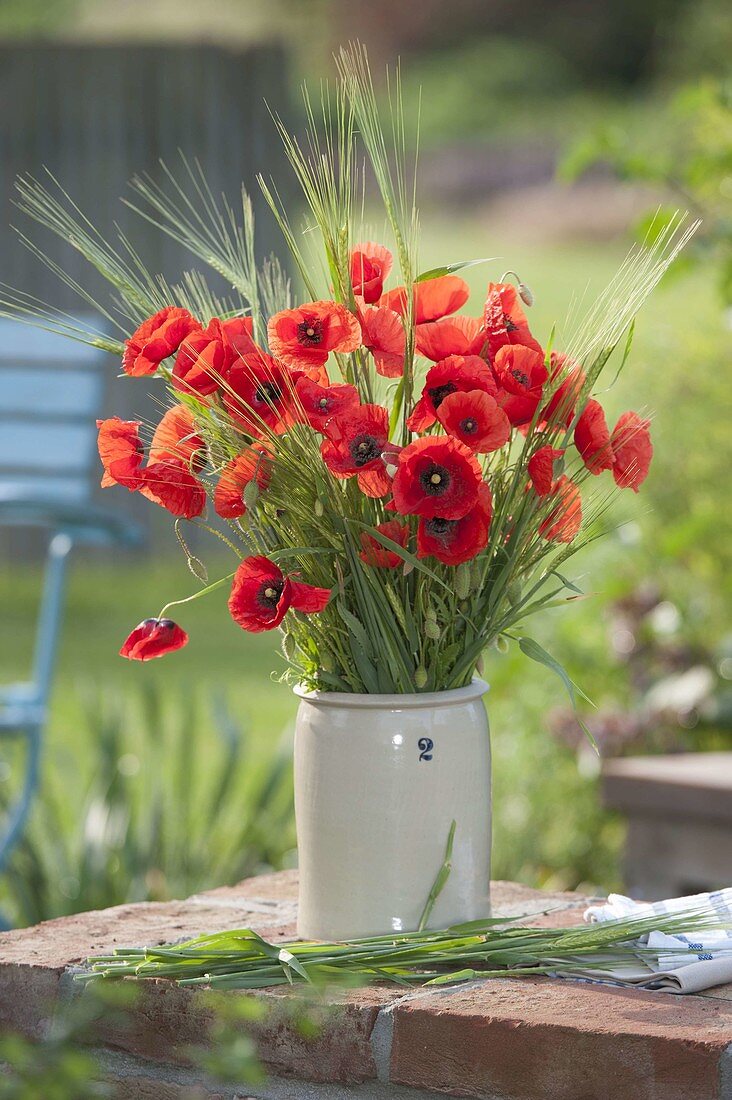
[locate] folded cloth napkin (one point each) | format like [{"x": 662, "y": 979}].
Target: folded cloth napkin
[{"x": 678, "y": 963}]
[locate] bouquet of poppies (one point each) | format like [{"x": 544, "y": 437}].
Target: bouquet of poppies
[{"x": 399, "y": 481}]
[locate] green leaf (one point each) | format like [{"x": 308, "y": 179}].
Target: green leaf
[
  {"x": 537, "y": 653},
  {"x": 449, "y": 269},
  {"x": 567, "y": 584}
]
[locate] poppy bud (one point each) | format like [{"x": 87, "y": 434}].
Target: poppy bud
[
  {"x": 464, "y": 607},
  {"x": 513, "y": 593},
  {"x": 288, "y": 647},
  {"x": 250, "y": 496},
  {"x": 502, "y": 644},
  {"x": 432, "y": 630},
  {"x": 420, "y": 677},
  {"x": 462, "y": 581},
  {"x": 526, "y": 294},
  {"x": 318, "y": 507}
]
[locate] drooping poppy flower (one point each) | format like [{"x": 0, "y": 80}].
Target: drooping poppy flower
[
  {"x": 354, "y": 448},
  {"x": 153, "y": 638},
  {"x": 433, "y": 298},
  {"x": 383, "y": 336},
  {"x": 172, "y": 485},
  {"x": 560, "y": 407},
  {"x": 476, "y": 419},
  {"x": 541, "y": 469},
  {"x": 632, "y": 451},
  {"x": 156, "y": 339},
  {"x": 319, "y": 404},
  {"x": 504, "y": 321},
  {"x": 304, "y": 337},
  {"x": 205, "y": 356},
  {"x": 254, "y": 464},
  {"x": 453, "y": 541},
  {"x": 259, "y": 395},
  {"x": 176, "y": 438},
  {"x": 370, "y": 264},
  {"x": 121, "y": 452},
  {"x": 436, "y": 476},
  {"x": 565, "y": 519},
  {"x": 374, "y": 553},
  {"x": 521, "y": 374},
  {"x": 459, "y": 335},
  {"x": 456, "y": 374},
  {"x": 592, "y": 438},
  {"x": 261, "y": 595}
]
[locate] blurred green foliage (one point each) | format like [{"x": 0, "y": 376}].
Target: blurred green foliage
[
  {"x": 689, "y": 157},
  {"x": 171, "y": 796}
]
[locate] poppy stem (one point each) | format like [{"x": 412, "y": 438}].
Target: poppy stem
[{"x": 203, "y": 592}]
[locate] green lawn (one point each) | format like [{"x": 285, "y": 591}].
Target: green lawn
[{"x": 548, "y": 827}]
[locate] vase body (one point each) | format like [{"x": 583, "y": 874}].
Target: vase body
[{"x": 378, "y": 781}]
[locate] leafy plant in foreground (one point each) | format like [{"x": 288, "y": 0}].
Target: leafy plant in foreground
[{"x": 177, "y": 799}]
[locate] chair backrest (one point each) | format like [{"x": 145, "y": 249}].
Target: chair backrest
[{"x": 51, "y": 390}]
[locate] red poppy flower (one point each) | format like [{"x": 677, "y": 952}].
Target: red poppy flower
[
  {"x": 504, "y": 320},
  {"x": 383, "y": 335},
  {"x": 453, "y": 541},
  {"x": 153, "y": 638},
  {"x": 156, "y": 339},
  {"x": 204, "y": 357},
  {"x": 370, "y": 265},
  {"x": 121, "y": 452},
  {"x": 456, "y": 374},
  {"x": 632, "y": 450},
  {"x": 560, "y": 407},
  {"x": 376, "y": 554},
  {"x": 541, "y": 469},
  {"x": 319, "y": 404},
  {"x": 176, "y": 438},
  {"x": 259, "y": 395},
  {"x": 304, "y": 337},
  {"x": 521, "y": 374},
  {"x": 476, "y": 419},
  {"x": 459, "y": 335},
  {"x": 253, "y": 464},
  {"x": 168, "y": 483},
  {"x": 354, "y": 447},
  {"x": 172, "y": 485},
  {"x": 261, "y": 595},
  {"x": 433, "y": 298},
  {"x": 437, "y": 476},
  {"x": 565, "y": 519},
  {"x": 592, "y": 438}
]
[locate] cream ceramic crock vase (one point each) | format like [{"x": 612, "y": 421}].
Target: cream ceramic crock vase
[{"x": 378, "y": 781}]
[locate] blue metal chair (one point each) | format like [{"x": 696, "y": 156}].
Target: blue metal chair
[{"x": 50, "y": 394}]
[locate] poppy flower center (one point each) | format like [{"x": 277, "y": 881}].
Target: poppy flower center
[
  {"x": 439, "y": 393},
  {"x": 269, "y": 393},
  {"x": 323, "y": 403},
  {"x": 439, "y": 528},
  {"x": 269, "y": 594},
  {"x": 435, "y": 480},
  {"x": 310, "y": 332},
  {"x": 521, "y": 378},
  {"x": 509, "y": 325},
  {"x": 364, "y": 449},
  {"x": 469, "y": 425}
]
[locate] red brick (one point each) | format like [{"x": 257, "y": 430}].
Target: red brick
[
  {"x": 543, "y": 1039},
  {"x": 167, "y": 1020}
]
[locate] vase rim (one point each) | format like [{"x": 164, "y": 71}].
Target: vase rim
[{"x": 398, "y": 701}]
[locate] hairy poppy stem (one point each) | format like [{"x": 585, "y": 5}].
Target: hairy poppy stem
[{"x": 203, "y": 592}]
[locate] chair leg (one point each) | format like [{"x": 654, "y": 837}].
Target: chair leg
[{"x": 22, "y": 807}]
